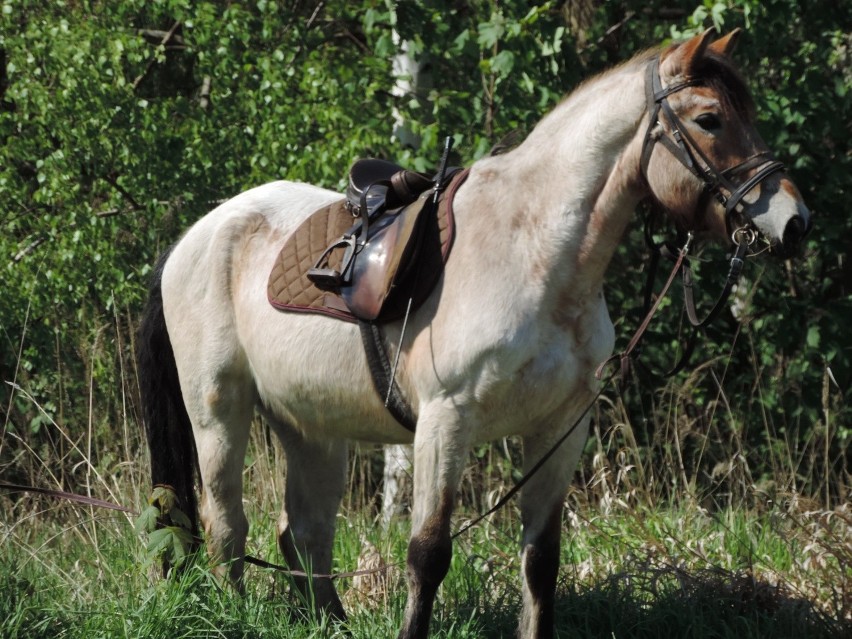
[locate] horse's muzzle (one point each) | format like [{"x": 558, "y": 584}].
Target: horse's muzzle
[{"x": 795, "y": 231}]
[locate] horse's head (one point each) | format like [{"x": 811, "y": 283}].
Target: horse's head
[{"x": 702, "y": 156}]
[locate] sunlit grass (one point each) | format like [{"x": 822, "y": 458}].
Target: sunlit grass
[{"x": 645, "y": 553}]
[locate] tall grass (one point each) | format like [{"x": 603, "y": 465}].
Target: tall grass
[{"x": 668, "y": 531}]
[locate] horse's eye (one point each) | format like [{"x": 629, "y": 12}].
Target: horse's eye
[{"x": 709, "y": 121}]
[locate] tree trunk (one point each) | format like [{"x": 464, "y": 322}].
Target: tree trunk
[{"x": 396, "y": 495}]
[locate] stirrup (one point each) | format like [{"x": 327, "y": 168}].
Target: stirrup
[{"x": 330, "y": 279}]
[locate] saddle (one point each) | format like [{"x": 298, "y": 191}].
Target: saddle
[{"x": 366, "y": 256}]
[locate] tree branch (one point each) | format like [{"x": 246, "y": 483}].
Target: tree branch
[
  {"x": 159, "y": 37},
  {"x": 166, "y": 39},
  {"x": 113, "y": 182},
  {"x": 204, "y": 95},
  {"x": 29, "y": 248}
]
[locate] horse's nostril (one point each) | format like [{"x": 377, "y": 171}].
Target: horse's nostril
[{"x": 795, "y": 230}]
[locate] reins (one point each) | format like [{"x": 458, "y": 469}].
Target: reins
[
  {"x": 624, "y": 356},
  {"x": 742, "y": 238}
]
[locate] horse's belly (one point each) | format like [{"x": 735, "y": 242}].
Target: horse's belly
[{"x": 310, "y": 371}]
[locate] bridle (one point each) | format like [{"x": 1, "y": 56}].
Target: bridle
[
  {"x": 720, "y": 184},
  {"x": 682, "y": 145}
]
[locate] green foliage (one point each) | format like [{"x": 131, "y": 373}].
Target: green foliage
[
  {"x": 123, "y": 123},
  {"x": 167, "y": 526}
]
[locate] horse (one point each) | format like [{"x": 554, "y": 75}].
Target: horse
[{"x": 506, "y": 344}]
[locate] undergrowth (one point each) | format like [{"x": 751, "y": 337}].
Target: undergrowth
[
  {"x": 631, "y": 572},
  {"x": 668, "y": 532}
]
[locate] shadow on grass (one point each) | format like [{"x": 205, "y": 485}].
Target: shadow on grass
[{"x": 651, "y": 602}]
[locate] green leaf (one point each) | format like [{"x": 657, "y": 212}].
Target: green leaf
[
  {"x": 146, "y": 522},
  {"x": 491, "y": 32},
  {"x": 164, "y": 496},
  {"x": 159, "y": 541},
  {"x": 813, "y": 337},
  {"x": 179, "y": 518},
  {"x": 503, "y": 63}
]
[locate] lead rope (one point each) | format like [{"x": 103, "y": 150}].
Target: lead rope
[
  {"x": 624, "y": 356},
  {"x": 500, "y": 503},
  {"x": 541, "y": 462}
]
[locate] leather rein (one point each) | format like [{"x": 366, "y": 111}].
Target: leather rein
[{"x": 719, "y": 184}]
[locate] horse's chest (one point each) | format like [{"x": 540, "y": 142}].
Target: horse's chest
[{"x": 545, "y": 378}]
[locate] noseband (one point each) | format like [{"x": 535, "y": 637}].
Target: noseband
[{"x": 683, "y": 147}]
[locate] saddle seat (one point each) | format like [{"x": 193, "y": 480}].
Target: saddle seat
[{"x": 401, "y": 186}]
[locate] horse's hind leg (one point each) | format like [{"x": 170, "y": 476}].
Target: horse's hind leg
[
  {"x": 221, "y": 419},
  {"x": 541, "y": 515},
  {"x": 316, "y": 478}
]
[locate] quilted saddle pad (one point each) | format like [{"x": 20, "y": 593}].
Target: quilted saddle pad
[{"x": 289, "y": 288}]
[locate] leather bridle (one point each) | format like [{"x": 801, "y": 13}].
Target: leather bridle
[
  {"x": 682, "y": 145},
  {"x": 717, "y": 183}
]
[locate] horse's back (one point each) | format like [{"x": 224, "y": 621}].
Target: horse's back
[
  {"x": 278, "y": 206},
  {"x": 210, "y": 265}
]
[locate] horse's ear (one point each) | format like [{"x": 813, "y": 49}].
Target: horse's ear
[
  {"x": 682, "y": 59},
  {"x": 725, "y": 45}
]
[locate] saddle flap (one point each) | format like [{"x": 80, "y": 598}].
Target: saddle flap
[{"x": 382, "y": 259}]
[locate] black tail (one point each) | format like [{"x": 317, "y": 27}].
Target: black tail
[{"x": 174, "y": 461}]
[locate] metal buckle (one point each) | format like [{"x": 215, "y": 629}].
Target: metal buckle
[
  {"x": 744, "y": 232},
  {"x": 688, "y": 244}
]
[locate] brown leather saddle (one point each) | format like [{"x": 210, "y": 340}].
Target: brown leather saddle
[{"x": 366, "y": 256}]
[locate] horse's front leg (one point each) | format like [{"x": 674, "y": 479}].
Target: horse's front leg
[
  {"x": 440, "y": 451},
  {"x": 541, "y": 516}
]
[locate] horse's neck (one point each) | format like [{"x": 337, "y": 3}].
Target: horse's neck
[{"x": 578, "y": 173}]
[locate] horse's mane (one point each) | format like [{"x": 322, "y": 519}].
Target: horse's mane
[
  {"x": 716, "y": 71},
  {"x": 713, "y": 70}
]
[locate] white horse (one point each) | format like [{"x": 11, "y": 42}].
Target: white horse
[{"x": 507, "y": 343}]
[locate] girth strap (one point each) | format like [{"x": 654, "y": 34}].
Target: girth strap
[{"x": 381, "y": 371}]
